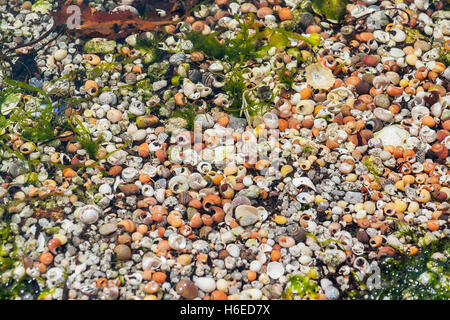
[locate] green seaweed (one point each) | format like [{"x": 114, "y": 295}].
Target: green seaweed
[
  {"x": 422, "y": 276},
  {"x": 307, "y": 150},
  {"x": 313, "y": 39},
  {"x": 27, "y": 88},
  {"x": 369, "y": 163},
  {"x": 151, "y": 47},
  {"x": 287, "y": 77},
  {"x": 38, "y": 124},
  {"x": 444, "y": 57},
  {"x": 208, "y": 44},
  {"x": 333, "y": 10},
  {"x": 11, "y": 288},
  {"x": 235, "y": 86},
  {"x": 239, "y": 49},
  {"x": 84, "y": 137},
  {"x": 187, "y": 113},
  {"x": 325, "y": 242},
  {"x": 302, "y": 287},
  {"x": 242, "y": 47},
  {"x": 413, "y": 35}
]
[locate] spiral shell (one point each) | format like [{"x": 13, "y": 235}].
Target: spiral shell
[
  {"x": 151, "y": 263},
  {"x": 178, "y": 184},
  {"x": 196, "y": 181},
  {"x": 89, "y": 214},
  {"x": 340, "y": 94},
  {"x": 128, "y": 225},
  {"x": 296, "y": 232},
  {"x": 240, "y": 200},
  {"x": 177, "y": 241},
  {"x": 53, "y": 244}
]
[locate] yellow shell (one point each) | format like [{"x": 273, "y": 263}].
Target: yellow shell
[
  {"x": 280, "y": 220},
  {"x": 400, "y": 206},
  {"x": 286, "y": 169},
  {"x": 259, "y": 130}
]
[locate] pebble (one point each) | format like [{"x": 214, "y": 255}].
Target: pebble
[
  {"x": 60, "y": 54},
  {"x": 107, "y": 229}
]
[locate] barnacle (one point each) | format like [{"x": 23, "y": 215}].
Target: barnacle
[{"x": 319, "y": 77}]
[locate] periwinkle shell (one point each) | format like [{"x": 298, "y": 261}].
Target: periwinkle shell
[{"x": 89, "y": 214}]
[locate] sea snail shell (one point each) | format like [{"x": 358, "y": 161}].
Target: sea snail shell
[{"x": 89, "y": 214}]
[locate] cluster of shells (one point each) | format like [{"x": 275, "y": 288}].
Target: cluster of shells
[{"x": 362, "y": 152}]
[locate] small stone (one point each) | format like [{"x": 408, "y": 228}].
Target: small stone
[
  {"x": 123, "y": 252},
  {"x": 353, "y": 197},
  {"x": 158, "y": 85},
  {"x": 248, "y": 7},
  {"x": 371, "y": 61},
  {"x": 237, "y": 123},
  {"x": 60, "y": 54},
  {"x": 247, "y": 220},
  {"x": 411, "y": 59},
  {"x": 129, "y": 189},
  {"x": 107, "y": 228},
  {"x": 114, "y": 115},
  {"x": 383, "y": 114},
  {"x": 306, "y": 19},
  {"x": 187, "y": 289},
  {"x": 422, "y": 45},
  {"x": 247, "y": 215},
  {"x": 382, "y": 101},
  {"x": 26, "y": 5}
]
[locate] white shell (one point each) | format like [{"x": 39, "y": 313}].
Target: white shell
[
  {"x": 247, "y": 215},
  {"x": 147, "y": 190},
  {"x": 422, "y": 4},
  {"x": 129, "y": 174},
  {"x": 205, "y": 284},
  {"x": 137, "y": 108},
  {"x": 399, "y": 35},
  {"x": 107, "y": 97},
  {"x": 177, "y": 241},
  {"x": 271, "y": 120},
  {"x": 151, "y": 263},
  {"x": 275, "y": 270},
  {"x": 251, "y": 294},
  {"x": 89, "y": 214},
  {"x": 126, "y": 8},
  {"x": 303, "y": 181},
  {"x": 305, "y": 107},
  {"x": 216, "y": 67},
  {"x": 304, "y": 197},
  {"x": 393, "y": 135},
  {"x": 340, "y": 94},
  {"x": 381, "y": 36},
  {"x": 178, "y": 184},
  {"x": 255, "y": 266},
  {"x": 233, "y": 250}
]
